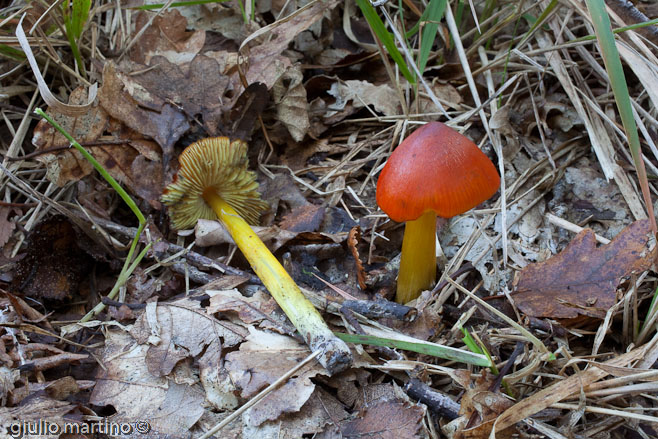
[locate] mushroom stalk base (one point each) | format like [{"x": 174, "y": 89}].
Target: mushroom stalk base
[
  {"x": 335, "y": 356},
  {"x": 418, "y": 261}
]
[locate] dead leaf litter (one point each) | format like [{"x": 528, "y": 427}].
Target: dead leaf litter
[{"x": 553, "y": 278}]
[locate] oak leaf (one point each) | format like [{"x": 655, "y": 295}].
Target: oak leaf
[{"x": 583, "y": 278}]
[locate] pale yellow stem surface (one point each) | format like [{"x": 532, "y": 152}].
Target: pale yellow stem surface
[
  {"x": 335, "y": 355},
  {"x": 418, "y": 262}
]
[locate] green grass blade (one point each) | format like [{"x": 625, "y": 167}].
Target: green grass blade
[
  {"x": 538, "y": 22},
  {"x": 79, "y": 16},
  {"x": 422, "y": 347},
  {"x": 101, "y": 170},
  {"x": 12, "y": 52},
  {"x": 470, "y": 342},
  {"x": 75, "y": 17},
  {"x": 379, "y": 29},
  {"x": 612, "y": 62},
  {"x": 434, "y": 11}
]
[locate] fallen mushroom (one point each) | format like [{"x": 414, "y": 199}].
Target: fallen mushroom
[
  {"x": 434, "y": 171},
  {"x": 213, "y": 183}
]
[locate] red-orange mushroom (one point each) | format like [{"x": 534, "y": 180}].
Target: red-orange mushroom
[{"x": 434, "y": 171}]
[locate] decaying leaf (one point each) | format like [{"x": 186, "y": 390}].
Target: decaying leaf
[
  {"x": 246, "y": 110},
  {"x": 179, "y": 330},
  {"x": 139, "y": 109},
  {"x": 266, "y": 64},
  {"x": 37, "y": 410},
  {"x": 306, "y": 218},
  {"x": 480, "y": 407},
  {"x": 382, "y": 98},
  {"x": 291, "y": 106},
  {"x": 130, "y": 158},
  {"x": 583, "y": 279},
  {"x": 69, "y": 165},
  {"x": 320, "y": 413},
  {"x": 250, "y": 310},
  {"x": 194, "y": 88},
  {"x": 392, "y": 419},
  {"x": 261, "y": 361},
  {"x": 352, "y": 242},
  {"x": 166, "y": 36},
  {"x": 126, "y": 384}
]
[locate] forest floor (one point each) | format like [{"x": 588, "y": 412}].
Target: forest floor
[{"x": 542, "y": 322}]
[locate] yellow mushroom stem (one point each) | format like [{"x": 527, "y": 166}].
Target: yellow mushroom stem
[
  {"x": 418, "y": 260},
  {"x": 335, "y": 355}
]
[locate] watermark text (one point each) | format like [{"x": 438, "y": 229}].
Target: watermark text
[{"x": 42, "y": 427}]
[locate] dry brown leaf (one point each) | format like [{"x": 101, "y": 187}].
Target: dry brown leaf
[
  {"x": 393, "y": 419},
  {"x": 250, "y": 310},
  {"x": 126, "y": 384},
  {"x": 583, "y": 279},
  {"x": 447, "y": 94},
  {"x": 38, "y": 410},
  {"x": 479, "y": 409},
  {"x": 266, "y": 64},
  {"x": 194, "y": 87},
  {"x": 167, "y": 36},
  {"x": 306, "y": 218},
  {"x": 139, "y": 109},
  {"x": 352, "y": 242},
  {"x": 69, "y": 165},
  {"x": 261, "y": 361},
  {"x": 246, "y": 110},
  {"x": 382, "y": 98},
  {"x": 321, "y": 411},
  {"x": 291, "y": 105},
  {"x": 180, "y": 330},
  {"x": 126, "y": 155}
]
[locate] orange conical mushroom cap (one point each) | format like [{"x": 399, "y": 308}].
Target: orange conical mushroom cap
[{"x": 435, "y": 168}]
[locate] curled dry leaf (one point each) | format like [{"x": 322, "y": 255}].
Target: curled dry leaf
[
  {"x": 352, "y": 242},
  {"x": 126, "y": 384},
  {"x": 48, "y": 97},
  {"x": 291, "y": 105},
  {"x": 583, "y": 279},
  {"x": 50, "y": 361}
]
